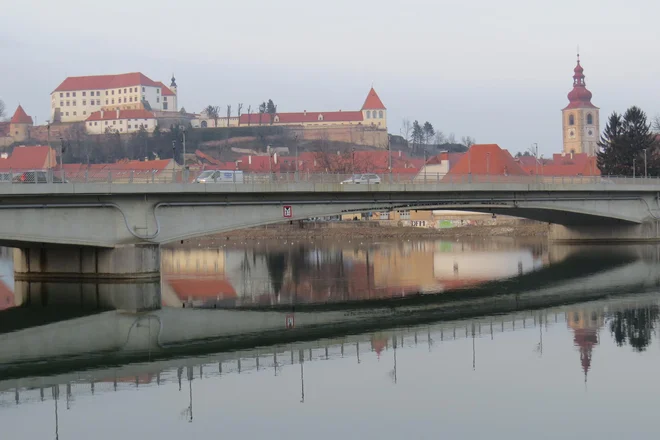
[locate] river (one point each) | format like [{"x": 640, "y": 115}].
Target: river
[{"x": 510, "y": 338}]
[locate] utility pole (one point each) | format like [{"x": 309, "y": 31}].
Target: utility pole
[
  {"x": 536, "y": 156},
  {"x": 646, "y": 174},
  {"x": 184, "y": 176},
  {"x": 389, "y": 154},
  {"x": 173, "y": 161}
]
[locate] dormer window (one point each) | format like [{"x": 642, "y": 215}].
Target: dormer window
[
  {"x": 277, "y": 118},
  {"x": 320, "y": 118}
]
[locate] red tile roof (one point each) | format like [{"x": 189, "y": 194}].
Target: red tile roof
[
  {"x": 20, "y": 117},
  {"x": 373, "y": 101},
  {"x": 148, "y": 165},
  {"x": 564, "y": 165},
  {"x": 101, "y": 82},
  {"x": 301, "y": 117},
  {"x": 487, "y": 159},
  {"x": 108, "y": 115},
  {"x": 202, "y": 288},
  {"x": 165, "y": 91},
  {"x": 29, "y": 158}
]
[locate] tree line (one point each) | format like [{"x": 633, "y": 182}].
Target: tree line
[
  {"x": 628, "y": 146},
  {"x": 421, "y": 135},
  {"x": 266, "y": 111}
]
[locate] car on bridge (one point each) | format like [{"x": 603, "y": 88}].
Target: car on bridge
[
  {"x": 367, "y": 179},
  {"x": 220, "y": 176},
  {"x": 37, "y": 176}
]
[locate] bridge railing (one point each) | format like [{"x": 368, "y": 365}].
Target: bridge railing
[{"x": 151, "y": 176}]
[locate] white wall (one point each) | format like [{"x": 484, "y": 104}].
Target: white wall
[{"x": 120, "y": 125}]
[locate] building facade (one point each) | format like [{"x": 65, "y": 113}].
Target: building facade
[
  {"x": 580, "y": 118},
  {"x": 17, "y": 129},
  {"x": 120, "y": 121},
  {"x": 76, "y": 98}
]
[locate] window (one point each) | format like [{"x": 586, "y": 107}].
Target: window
[
  {"x": 67, "y": 114},
  {"x": 129, "y": 126},
  {"x": 143, "y": 89},
  {"x": 74, "y": 113},
  {"x": 67, "y": 94},
  {"x": 368, "y": 114},
  {"x": 380, "y": 114},
  {"x": 113, "y": 92},
  {"x": 106, "y": 102},
  {"x": 124, "y": 90},
  {"x": 84, "y": 102},
  {"x": 95, "y": 123},
  {"x": 98, "y": 93},
  {"x": 130, "y": 99},
  {"x": 74, "y": 103},
  {"x": 61, "y": 103},
  {"x": 164, "y": 106},
  {"x": 157, "y": 90},
  {"x": 106, "y": 122},
  {"x": 119, "y": 92},
  {"x": 124, "y": 99},
  {"x": 84, "y": 93},
  {"x": 61, "y": 95},
  {"x": 121, "y": 129},
  {"x": 67, "y": 103},
  {"x": 113, "y": 101},
  {"x": 90, "y": 124},
  {"x": 84, "y": 112},
  {"x": 571, "y": 120},
  {"x": 157, "y": 99},
  {"x": 106, "y": 93},
  {"x": 114, "y": 122},
  {"x": 164, "y": 98},
  {"x": 74, "y": 94},
  {"x": 590, "y": 119}
]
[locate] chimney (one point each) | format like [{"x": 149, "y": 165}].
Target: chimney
[
  {"x": 117, "y": 113},
  {"x": 102, "y": 113},
  {"x": 305, "y": 112},
  {"x": 4, "y": 156},
  {"x": 275, "y": 158},
  {"x": 250, "y": 160},
  {"x": 399, "y": 153}
]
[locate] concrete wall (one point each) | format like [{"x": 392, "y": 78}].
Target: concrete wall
[{"x": 648, "y": 231}]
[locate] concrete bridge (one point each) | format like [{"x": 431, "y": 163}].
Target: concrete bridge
[{"x": 114, "y": 229}]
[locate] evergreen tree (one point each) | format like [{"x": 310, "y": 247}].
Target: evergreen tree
[
  {"x": 614, "y": 157},
  {"x": 417, "y": 135},
  {"x": 429, "y": 131},
  {"x": 271, "y": 109}
]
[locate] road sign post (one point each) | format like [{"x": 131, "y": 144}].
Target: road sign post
[{"x": 287, "y": 211}]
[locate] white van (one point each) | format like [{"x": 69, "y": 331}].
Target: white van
[{"x": 220, "y": 176}]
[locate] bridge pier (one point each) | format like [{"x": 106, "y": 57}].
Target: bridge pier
[
  {"x": 625, "y": 232},
  {"x": 125, "y": 262}
]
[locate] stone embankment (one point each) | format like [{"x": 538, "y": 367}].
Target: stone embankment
[{"x": 356, "y": 229}]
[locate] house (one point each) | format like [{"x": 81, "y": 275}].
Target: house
[
  {"x": 577, "y": 164},
  {"x": 485, "y": 160},
  {"x": 17, "y": 129},
  {"x": 76, "y": 98},
  {"x": 120, "y": 121},
  {"x": 29, "y": 158}
]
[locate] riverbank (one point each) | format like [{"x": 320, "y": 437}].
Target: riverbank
[{"x": 376, "y": 230}]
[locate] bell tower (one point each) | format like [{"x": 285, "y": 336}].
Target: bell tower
[{"x": 580, "y": 119}]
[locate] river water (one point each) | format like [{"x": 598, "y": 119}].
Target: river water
[{"x": 465, "y": 339}]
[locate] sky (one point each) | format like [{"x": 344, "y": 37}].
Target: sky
[{"x": 496, "y": 71}]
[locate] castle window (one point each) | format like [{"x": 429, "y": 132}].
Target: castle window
[
  {"x": 67, "y": 94},
  {"x": 98, "y": 93},
  {"x": 84, "y": 93},
  {"x": 61, "y": 95},
  {"x": 380, "y": 114},
  {"x": 590, "y": 119},
  {"x": 368, "y": 114},
  {"x": 84, "y": 102},
  {"x": 571, "y": 120}
]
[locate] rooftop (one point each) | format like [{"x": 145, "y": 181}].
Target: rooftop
[{"x": 101, "y": 82}]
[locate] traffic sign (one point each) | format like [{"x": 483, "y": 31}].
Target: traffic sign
[
  {"x": 287, "y": 211},
  {"x": 289, "y": 322}
]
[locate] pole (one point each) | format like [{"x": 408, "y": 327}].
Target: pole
[
  {"x": 184, "y": 176},
  {"x": 48, "y": 141},
  {"x": 487, "y": 164},
  {"x": 536, "y": 155},
  {"x": 634, "y": 167},
  {"x": 645, "y": 168},
  {"x": 173, "y": 161},
  {"x": 389, "y": 155}
]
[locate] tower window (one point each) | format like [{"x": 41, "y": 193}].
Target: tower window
[
  {"x": 380, "y": 114},
  {"x": 571, "y": 119},
  {"x": 368, "y": 114},
  {"x": 590, "y": 119}
]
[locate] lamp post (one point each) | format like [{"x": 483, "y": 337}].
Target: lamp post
[
  {"x": 389, "y": 155},
  {"x": 536, "y": 156},
  {"x": 353, "y": 160},
  {"x": 634, "y": 160},
  {"x": 173, "y": 161},
  {"x": 184, "y": 176},
  {"x": 646, "y": 174}
]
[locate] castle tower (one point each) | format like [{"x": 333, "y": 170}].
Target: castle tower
[
  {"x": 373, "y": 111},
  {"x": 20, "y": 124},
  {"x": 175, "y": 98},
  {"x": 580, "y": 119}
]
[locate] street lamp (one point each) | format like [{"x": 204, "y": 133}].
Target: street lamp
[
  {"x": 646, "y": 174},
  {"x": 634, "y": 160}
]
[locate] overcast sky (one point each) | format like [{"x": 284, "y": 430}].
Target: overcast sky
[{"x": 497, "y": 71}]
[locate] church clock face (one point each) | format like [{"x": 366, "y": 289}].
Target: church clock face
[{"x": 590, "y": 132}]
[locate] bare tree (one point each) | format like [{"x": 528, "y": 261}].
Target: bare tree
[
  {"x": 240, "y": 108},
  {"x": 439, "y": 138},
  {"x": 467, "y": 141},
  {"x": 406, "y": 129},
  {"x": 249, "y": 113},
  {"x": 213, "y": 112},
  {"x": 656, "y": 123},
  {"x": 451, "y": 139}
]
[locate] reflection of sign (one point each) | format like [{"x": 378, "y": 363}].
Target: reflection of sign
[
  {"x": 289, "y": 321},
  {"x": 287, "y": 211}
]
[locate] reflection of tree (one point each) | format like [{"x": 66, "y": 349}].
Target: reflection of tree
[
  {"x": 634, "y": 326},
  {"x": 276, "y": 262}
]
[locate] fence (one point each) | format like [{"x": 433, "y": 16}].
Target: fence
[{"x": 146, "y": 176}]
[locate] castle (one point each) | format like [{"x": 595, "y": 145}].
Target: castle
[{"x": 17, "y": 129}]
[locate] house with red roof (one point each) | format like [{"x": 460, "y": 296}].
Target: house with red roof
[
  {"x": 485, "y": 160},
  {"x": 29, "y": 158},
  {"x": 17, "y": 129},
  {"x": 120, "y": 121},
  {"x": 77, "y": 97},
  {"x": 578, "y": 164}
]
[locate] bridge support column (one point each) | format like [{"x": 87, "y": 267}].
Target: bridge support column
[
  {"x": 127, "y": 262},
  {"x": 647, "y": 231}
]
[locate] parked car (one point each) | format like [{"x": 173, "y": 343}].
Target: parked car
[
  {"x": 37, "y": 176},
  {"x": 367, "y": 179},
  {"x": 220, "y": 176}
]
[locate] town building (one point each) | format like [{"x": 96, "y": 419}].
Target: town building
[
  {"x": 580, "y": 118},
  {"x": 120, "y": 121},
  {"x": 367, "y": 126},
  {"x": 76, "y": 98},
  {"x": 29, "y": 158},
  {"x": 485, "y": 160},
  {"x": 17, "y": 129}
]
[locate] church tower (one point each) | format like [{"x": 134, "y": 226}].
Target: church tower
[{"x": 580, "y": 119}]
